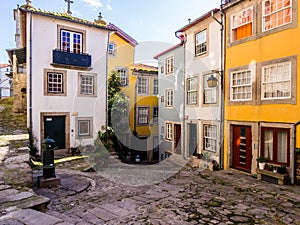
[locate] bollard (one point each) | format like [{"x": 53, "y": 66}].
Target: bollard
[{"x": 48, "y": 158}]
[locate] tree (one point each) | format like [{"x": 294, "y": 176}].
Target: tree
[{"x": 112, "y": 135}]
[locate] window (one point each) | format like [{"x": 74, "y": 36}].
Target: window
[
  {"x": 241, "y": 85},
  {"x": 84, "y": 128},
  {"x": 123, "y": 75},
  {"x": 169, "y": 65},
  {"x": 210, "y": 94},
  {"x": 210, "y": 137},
  {"x": 192, "y": 91},
  {"x": 275, "y": 145},
  {"x": 71, "y": 41},
  {"x": 276, "y": 13},
  {"x": 169, "y": 98},
  {"x": 155, "y": 86},
  {"x": 276, "y": 81},
  {"x": 143, "y": 85},
  {"x": 87, "y": 84},
  {"x": 111, "y": 49},
  {"x": 241, "y": 24},
  {"x": 55, "y": 83},
  {"x": 143, "y": 115},
  {"x": 169, "y": 131},
  {"x": 155, "y": 114},
  {"x": 200, "y": 44}
]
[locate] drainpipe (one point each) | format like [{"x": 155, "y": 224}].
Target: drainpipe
[
  {"x": 30, "y": 75},
  {"x": 293, "y": 153},
  {"x": 183, "y": 41},
  {"x": 106, "y": 84},
  {"x": 222, "y": 52}
]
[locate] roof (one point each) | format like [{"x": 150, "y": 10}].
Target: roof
[
  {"x": 122, "y": 34},
  {"x": 62, "y": 16},
  {"x": 198, "y": 20},
  {"x": 4, "y": 65},
  {"x": 20, "y": 54},
  {"x": 143, "y": 68},
  {"x": 168, "y": 50}
]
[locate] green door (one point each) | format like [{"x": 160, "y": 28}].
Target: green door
[
  {"x": 54, "y": 127},
  {"x": 192, "y": 139}
]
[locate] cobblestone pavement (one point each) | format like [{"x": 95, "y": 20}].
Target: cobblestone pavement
[{"x": 189, "y": 197}]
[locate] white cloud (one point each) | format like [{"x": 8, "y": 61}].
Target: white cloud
[
  {"x": 93, "y": 3},
  {"x": 109, "y": 8}
]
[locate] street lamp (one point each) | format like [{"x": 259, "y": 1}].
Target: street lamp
[{"x": 212, "y": 81}]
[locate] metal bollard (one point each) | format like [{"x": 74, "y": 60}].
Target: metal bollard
[{"x": 48, "y": 158}]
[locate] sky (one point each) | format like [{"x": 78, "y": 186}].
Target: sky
[{"x": 151, "y": 23}]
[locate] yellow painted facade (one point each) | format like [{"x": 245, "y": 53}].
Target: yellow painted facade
[
  {"x": 122, "y": 61},
  {"x": 263, "y": 48},
  {"x": 124, "y": 53}
]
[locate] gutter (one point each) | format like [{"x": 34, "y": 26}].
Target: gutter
[
  {"x": 222, "y": 52},
  {"x": 30, "y": 74}
]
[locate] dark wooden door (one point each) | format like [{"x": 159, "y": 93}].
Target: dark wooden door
[
  {"x": 177, "y": 139},
  {"x": 192, "y": 139},
  {"x": 54, "y": 127},
  {"x": 242, "y": 148}
]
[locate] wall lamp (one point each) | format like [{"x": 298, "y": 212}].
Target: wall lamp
[{"x": 212, "y": 81}]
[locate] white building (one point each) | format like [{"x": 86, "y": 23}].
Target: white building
[
  {"x": 65, "y": 59},
  {"x": 202, "y": 104},
  {"x": 5, "y": 81}
]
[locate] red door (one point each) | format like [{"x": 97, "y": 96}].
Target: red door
[
  {"x": 177, "y": 139},
  {"x": 242, "y": 148}
]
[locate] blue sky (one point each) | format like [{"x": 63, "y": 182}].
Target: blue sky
[{"x": 151, "y": 23}]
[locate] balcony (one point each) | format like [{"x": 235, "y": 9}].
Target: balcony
[{"x": 71, "y": 60}]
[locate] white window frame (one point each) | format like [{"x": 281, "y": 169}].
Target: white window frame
[
  {"x": 169, "y": 65},
  {"x": 241, "y": 21},
  {"x": 111, "y": 49},
  {"x": 143, "y": 115},
  {"x": 89, "y": 88},
  {"x": 210, "y": 93},
  {"x": 155, "y": 115},
  {"x": 266, "y": 13},
  {"x": 155, "y": 86},
  {"x": 169, "y": 131},
  {"x": 280, "y": 84},
  {"x": 55, "y": 85},
  {"x": 169, "y": 101},
  {"x": 143, "y": 85},
  {"x": 210, "y": 137},
  {"x": 123, "y": 76},
  {"x": 71, "y": 41},
  {"x": 201, "y": 42},
  {"x": 241, "y": 85},
  {"x": 192, "y": 91}
]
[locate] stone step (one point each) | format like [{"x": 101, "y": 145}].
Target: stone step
[
  {"x": 12, "y": 199},
  {"x": 31, "y": 217}
]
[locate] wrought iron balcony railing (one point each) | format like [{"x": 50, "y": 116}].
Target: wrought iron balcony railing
[{"x": 71, "y": 59}]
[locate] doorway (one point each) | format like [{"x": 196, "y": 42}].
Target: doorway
[
  {"x": 55, "y": 128},
  {"x": 177, "y": 139},
  {"x": 242, "y": 148},
  {"x": 192, "y": 144}
]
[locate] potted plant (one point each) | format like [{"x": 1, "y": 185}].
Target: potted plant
[
  {"x": 261, "y": 162},
  {"x": 281, "y": 169}
]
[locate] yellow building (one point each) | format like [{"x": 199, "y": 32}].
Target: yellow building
[
  {"x": 140, "y": 84},
  {"x": 262, "y": 104},
  {"x": 121, "y": 50},
  {"x": 142, "y": 90}
]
